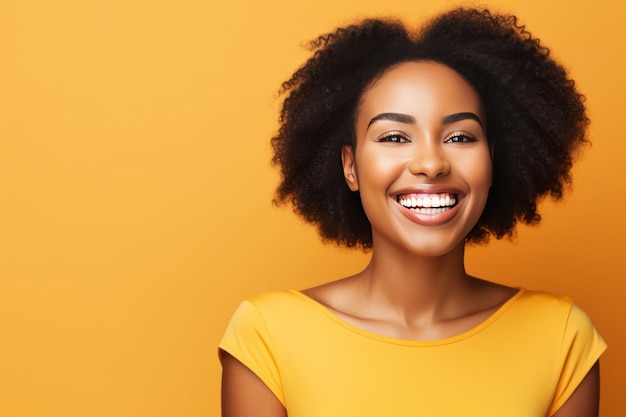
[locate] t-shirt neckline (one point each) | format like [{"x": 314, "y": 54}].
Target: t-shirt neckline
[{"x": 410, "y": 342}]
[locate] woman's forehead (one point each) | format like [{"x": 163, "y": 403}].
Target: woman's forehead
[{"x": 421, "y": 89}]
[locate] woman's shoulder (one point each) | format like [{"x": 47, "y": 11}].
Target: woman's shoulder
[
  {"x": 544, "y": 299},
  {"x": 281, "y": 306},
  {"x": 272, "y": 312},
  {"x": 275, "y": 300},
  {"x": 333, "y": 292},
  {"x": 548, "y": 309}
]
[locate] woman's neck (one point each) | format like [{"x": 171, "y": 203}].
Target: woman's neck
[
  {"x": 400, "y": 294},
  {"x": 416, "y": 288}
]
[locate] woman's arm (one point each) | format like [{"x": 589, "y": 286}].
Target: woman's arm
[
  {"x": 585, "y": 401},
  {"x": 244, "y": 394}
]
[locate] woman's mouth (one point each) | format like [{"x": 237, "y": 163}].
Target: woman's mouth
[{"x": 428, "y": 203}]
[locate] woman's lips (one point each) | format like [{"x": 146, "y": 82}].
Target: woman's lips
[{"x": 429, "y": 209}]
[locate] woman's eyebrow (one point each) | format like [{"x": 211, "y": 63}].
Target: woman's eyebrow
[
  {"x": 405, "y": 118},
  {"x": 461, "y": 116},
  {"x": 394, "y": 117}
]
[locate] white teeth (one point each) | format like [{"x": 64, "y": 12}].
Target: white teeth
[
  {"x": 430, "y": 204},
  {"x": 432, "y": 210}
]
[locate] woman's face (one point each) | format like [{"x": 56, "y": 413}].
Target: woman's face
[{"x": 421, "y": 163}]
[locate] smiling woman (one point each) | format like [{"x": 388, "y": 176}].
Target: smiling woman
[
  {"x": 432, "y": 148},
  {"x": 413, "y": 145}
]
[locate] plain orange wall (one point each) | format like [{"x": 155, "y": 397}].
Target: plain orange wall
[{"x": 135, "y": 192}]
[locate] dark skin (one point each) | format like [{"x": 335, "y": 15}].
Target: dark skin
[
  {"x": 244, "y": 394},
  {"x": 419, "y": 134}
]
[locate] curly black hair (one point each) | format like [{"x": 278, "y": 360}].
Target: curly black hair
[{"x": 536, "y": 120}]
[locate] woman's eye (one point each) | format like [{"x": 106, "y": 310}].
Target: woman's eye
[
  {"x": 460, "y": 137},
  {"x": 395, "y": 137}
]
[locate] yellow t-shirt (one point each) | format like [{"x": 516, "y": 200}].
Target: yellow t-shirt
[{"x": 523, "y": 361}]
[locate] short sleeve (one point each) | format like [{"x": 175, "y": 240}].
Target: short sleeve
[
  {"x": 581, "y": 348},
  {"x": 248, "y": 340}
]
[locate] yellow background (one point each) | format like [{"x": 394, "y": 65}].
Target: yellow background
[{"x": 135, "y": 192}]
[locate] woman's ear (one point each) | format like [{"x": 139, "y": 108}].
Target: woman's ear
[{"x": 349, "y": 167}]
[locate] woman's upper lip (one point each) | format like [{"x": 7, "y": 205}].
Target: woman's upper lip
[{"x": 428, "y": 189}]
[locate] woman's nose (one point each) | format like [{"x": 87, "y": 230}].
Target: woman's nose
[{"x": 429, "y": 160}]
